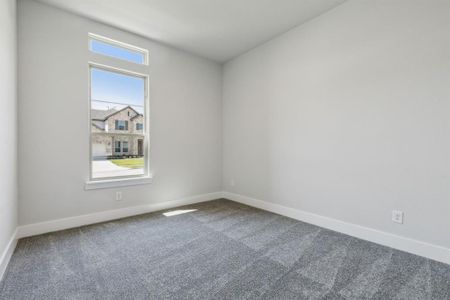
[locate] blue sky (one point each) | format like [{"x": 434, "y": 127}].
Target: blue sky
[
  {"x": 115, "y": 87},
  {"x": 117, "y": 52},
  {"x": 120, "y": 90}
]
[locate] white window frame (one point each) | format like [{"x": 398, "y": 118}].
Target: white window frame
[
  {"x": 119, "y": 181},
  {"x": 103, "y": 39}
]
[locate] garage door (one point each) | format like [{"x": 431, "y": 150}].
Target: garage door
[{"x": 99, "y": 151}]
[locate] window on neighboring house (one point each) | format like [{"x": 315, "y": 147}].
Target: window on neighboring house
[
  {"x": 117, "y": 94},
  {"x": 121, "y": 125},
  {"x": 117, "y": 147}
]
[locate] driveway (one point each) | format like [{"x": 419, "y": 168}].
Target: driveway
[{"x": 105, "y": 168}]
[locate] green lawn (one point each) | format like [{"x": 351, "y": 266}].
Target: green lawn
[{"x": 133, "y": 163}]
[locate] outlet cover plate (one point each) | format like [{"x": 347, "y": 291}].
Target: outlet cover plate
[{"x": 397, "y": 216}]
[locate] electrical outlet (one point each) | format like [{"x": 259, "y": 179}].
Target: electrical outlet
[
  {"x": 397, "y": 216},
  {"x": 118, "y": 196}
]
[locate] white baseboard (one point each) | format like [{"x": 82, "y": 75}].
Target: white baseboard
[
  {"x": 77, "y": 221},
  {"x": 420, "y": 248},
  {"x": 7, "y": 253}
]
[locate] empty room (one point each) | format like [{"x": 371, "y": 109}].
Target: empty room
[{"x": 225, "y": 149}]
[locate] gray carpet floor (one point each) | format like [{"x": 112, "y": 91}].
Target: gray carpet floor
[{"x": 220, "y": 250}]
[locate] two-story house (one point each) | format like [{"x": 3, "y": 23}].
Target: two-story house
[{"x": 117, "y": 133}]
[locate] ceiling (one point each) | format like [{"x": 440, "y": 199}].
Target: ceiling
[{"x": 216, "y": 29}]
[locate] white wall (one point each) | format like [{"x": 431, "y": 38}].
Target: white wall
[
  {"x": 185, "y": 104},
  {"x": 348, "y": 117},
  {"x": 8, "y": 128}
]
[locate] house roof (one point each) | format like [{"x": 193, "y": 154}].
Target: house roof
[
  {"x": 98, "y": 124},
  {"x": 138, "y": 115},
  {"x": 102, "y": 115}
]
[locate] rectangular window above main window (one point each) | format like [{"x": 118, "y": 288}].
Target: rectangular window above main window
[
  {"x": 139, "y": 126},
  {"x": 109, "y": 47}
]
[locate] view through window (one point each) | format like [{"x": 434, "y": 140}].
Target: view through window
[
  {"x": 122, "y": 51},
  {"x": 117, "y": 124}
]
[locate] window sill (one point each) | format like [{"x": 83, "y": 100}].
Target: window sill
[{"x": 112, "y": 183}]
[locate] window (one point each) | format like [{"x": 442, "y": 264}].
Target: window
[
  {"x": 125, "y": 147},
  {"x": 117, "y": 146},
  {"x": 121, "y": 147},
  {"x": 118, "y": 99},
  {"x": 121, "y": 125},
  {"x": 119, "y": 50}
]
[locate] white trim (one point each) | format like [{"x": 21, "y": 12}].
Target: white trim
[
  {"x": 120, "y": 182},
  {"x": 77, "y": 221},
  {"x": 7, "y": 253},
  {"x": 114, "y": 69},
  {"x": 146, "y": 131},
  {"x": 420, "y": 248}
]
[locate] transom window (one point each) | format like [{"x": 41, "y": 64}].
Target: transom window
[{"x": 109, "y": 47}]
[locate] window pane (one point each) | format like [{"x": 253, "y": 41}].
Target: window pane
[
  {"x": 122, "y": 124},
  {"x": 117, "y": 107},
  {"x": 117, "y": 146},
  {"x": 116, "y": 51},
  {"x": 115, "y": 87}
]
